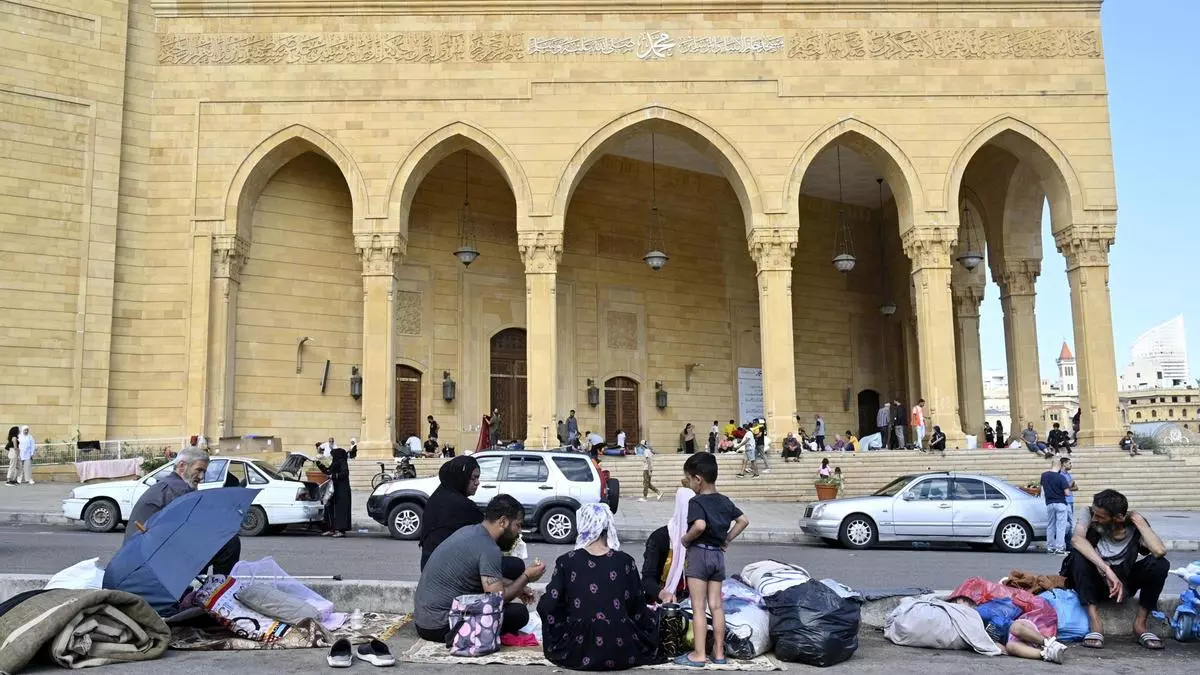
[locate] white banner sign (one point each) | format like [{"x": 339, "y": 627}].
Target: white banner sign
[
  {"x": 656, "y": 45},
  {"x": 750, "y": 394}
]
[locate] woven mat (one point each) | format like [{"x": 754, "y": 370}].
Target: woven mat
[
  {"x": 303, "y": 635},
  {"x": 430, "y": 652}
]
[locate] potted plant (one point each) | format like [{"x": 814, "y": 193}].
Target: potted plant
[
  {"x": 827, "y": 489},
  {"x": 1032, "y": 488}
]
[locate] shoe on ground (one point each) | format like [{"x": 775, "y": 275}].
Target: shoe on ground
[
  {"x": 376, "y": 653},
  {"x": 340, "y": 654},
  {"x": 31, "y": 483},
  {"x": 1053, "y": 651},
  {"x": 660, "y": 496},
  {"x": 641, "y": 499}
]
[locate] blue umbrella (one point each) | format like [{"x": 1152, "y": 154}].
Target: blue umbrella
[{"x": 177, "y": 544}]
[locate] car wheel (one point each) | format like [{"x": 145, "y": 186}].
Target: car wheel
[
  {"x": 405, "y": 520},
  {"x": 255, "y": 522},
  {"x": 614, "y": 494},
  {"x": 858, "y": 532},
  {"x": 558, "y": 526},
  {"x": 102, "y": 515},
  {"x": 1013, "y": 536}
]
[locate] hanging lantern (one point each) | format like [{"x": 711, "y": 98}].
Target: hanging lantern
[
  {"x": 843, "y": 259},
  {"x": 656, "y": 259},
  {"x": 888, "y": 308},
  {"x": 971, "y": 257},
  {"x": 466, "y": 251},
  {"x": 593, "y": 393},
  {"x": 660, "y": 396}
]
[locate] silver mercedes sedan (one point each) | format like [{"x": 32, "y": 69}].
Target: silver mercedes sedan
[{"x": 981, "y": 511}]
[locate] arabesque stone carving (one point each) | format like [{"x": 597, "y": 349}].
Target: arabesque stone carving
[
  {"x": 380, "y": 253},
  {"x": 773, "y": 248},
  {"x": 193, "y": 49},
  {"x": 1085, "y": 246},
  {"x": 229, "y": 256},
  {"x": 978, "y": 43},
  {"x": 1019, "y": 277},
  {"x": 929, "y": 247},
  {"x": 541, "y": 251}
]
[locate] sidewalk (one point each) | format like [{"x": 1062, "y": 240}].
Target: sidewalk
[{"x": 770, "y": 522}]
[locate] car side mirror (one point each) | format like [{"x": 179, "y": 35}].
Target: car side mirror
[{"x": 909, "y": 496}]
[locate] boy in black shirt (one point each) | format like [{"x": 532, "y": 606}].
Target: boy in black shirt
[{"x": 713, "y": 522}]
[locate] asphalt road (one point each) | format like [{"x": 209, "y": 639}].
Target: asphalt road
[{"x": 44, "y": 550}]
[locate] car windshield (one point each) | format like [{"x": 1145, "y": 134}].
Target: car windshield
[
  {"x": 893, "y": 488},
  {"x": 266, "y": 468}
]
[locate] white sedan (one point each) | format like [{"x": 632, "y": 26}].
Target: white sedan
[{"x": 280, "y": 502}]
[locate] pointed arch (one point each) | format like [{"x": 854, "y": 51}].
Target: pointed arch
[
  {"x": 866, "y": 139},
  {"x": 269, "y": 156},
  {"x": 1028, "y": 144},
  {"x": 440, "y": 144},
  {"x": 702, "y": 137}
]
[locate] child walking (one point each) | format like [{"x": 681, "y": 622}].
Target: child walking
[{"x": 713, "y": 522}]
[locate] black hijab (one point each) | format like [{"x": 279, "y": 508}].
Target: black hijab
[{"x": 449, "y": 508}]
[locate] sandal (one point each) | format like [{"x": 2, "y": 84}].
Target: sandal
[
  {"x": 1150, "y": 641},
  {"x": 684, "y": 659},
  {"x": 340, "y": 655},
  {"x": 376, "y": 653},
  {"x": 1093, "y": 640}
]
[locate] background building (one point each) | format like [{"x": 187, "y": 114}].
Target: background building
[
  {"x": 220, "y": 215},
  {"x": 1158, "y": 358},
  {"x": 1168, "y": 404}
]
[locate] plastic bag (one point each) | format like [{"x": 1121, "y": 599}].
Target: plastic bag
[
  {"x": 771, "y": 576},
  {"x": 267, "y": 571},
  {"x": 82, "y": 576},
  {"x": 1034, "y": 609},
  {"x": 998, "y": 616},
  {"x": 1072, "y": 617},
  {"x": 747, "y": 622},
  {"x": 812, "y": 624}
]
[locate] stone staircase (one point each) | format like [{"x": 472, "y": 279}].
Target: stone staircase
[{"x": 1149, "y": 481}]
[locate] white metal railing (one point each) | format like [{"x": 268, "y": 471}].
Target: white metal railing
[{"x": 66, "y": 452}]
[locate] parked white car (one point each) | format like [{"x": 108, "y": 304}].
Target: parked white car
[{"x": 280, "y": 502}]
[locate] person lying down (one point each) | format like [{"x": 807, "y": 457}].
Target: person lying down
[{"x": 1023, "y": 640}]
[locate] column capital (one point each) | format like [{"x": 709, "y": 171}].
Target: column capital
[
  {"x": 229, "y": 253},
  {"x": 929, "y": 247},
  {"x": 380, "y": 252},
  {"x": 773, "y": 248},
  {"x": 1019, "y": 277},
  {"x": 1085, "y": 245},
  {"x": 541, "y": 251},
  {"x": 967, "y": 300}
]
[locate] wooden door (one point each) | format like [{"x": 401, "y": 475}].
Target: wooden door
[
  {"x": 508, "y": 382},
  {"x": 621, "y": 409},
  {"x": 408, "y": 402}
]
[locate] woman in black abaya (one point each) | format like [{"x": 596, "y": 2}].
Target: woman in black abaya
[
  {"x": 337, "y": 510},
  {"x": 450, "y": 506}
]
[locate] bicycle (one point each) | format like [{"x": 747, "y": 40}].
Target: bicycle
[{"x": 404, "y": 470}]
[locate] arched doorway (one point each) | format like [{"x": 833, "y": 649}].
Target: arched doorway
[
  {"x": 868, "y": 407},
  {"x": 621, "y": 409},
  {"x": 408, "y": 402},
  {"x": 508, "y": 381}
]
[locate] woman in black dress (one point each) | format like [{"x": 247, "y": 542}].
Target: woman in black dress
[
  {"x": 337, "y": 510},
  {"x": 450, "y": 507},
  {"x": 594, "y": 614}
]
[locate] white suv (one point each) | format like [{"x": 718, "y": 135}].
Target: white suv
[{"x": 550, "y": 485}]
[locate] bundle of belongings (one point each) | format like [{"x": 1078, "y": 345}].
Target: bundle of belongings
[
  {"x": 79, "y": 628},
  {"x": 747, "y": 622},
  {"x": 811, "y": 622},
  {"x": 987, "y": 617}
]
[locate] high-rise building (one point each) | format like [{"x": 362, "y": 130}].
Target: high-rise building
[{"x": 1158, "y": 357}]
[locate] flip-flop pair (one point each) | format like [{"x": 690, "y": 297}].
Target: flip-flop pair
[{"x": 376, "y": 653}]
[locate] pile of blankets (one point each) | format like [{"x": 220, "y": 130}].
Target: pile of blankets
[{"x": 79, "y": 628}]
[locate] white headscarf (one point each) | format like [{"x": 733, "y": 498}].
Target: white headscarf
[
  {"x": 593, "y": 520},
  {"x": 676, "y": 528}
]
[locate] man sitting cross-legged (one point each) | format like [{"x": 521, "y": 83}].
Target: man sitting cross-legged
[
  {"x": 469, "y": 562},
  {"x": 1116, "y": 555}
]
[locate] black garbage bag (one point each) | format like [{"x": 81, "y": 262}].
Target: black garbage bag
[{"x": 812, "y": 624}]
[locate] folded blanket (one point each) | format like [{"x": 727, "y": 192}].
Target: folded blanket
[
  {"x": 81, "y": 629},
  {"x": 1033, "y": 582}
]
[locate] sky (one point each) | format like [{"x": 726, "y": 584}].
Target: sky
[{"x": 1153, "y": 83}]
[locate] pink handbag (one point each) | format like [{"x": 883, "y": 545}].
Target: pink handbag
[{"x": 475, "y": 624}]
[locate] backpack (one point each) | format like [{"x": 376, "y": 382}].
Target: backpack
[{"x": 475, "y": 624}]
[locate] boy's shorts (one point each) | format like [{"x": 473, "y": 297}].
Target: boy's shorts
[{"x": 704, "y": 562}]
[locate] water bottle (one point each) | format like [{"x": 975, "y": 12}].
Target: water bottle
[{"x": 356, "y": 620}]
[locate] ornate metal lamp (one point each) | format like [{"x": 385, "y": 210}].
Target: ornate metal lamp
[
  {"x": 971, "y": 256},
  {"x": 843, "y": 259},
  {"x": 655, "y": 258},
  {"x": 466, "y": 251}
]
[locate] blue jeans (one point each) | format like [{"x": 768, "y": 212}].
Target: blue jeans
[{"x": 1056, "y": 529}]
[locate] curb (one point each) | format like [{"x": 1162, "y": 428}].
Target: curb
[{"x": 628, "y": 533}]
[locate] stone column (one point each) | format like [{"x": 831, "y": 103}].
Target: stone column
[
  {"x": 772, "y": 250},
  {"x": 929, "y": 249},
  {"x": 381, "y": 254},
  {"x": 1018, "y": 295},
  {"x": 541, "y": 252},
  {"x": 970, "y": 359},
  {"x": 229, "y": 254},
  {"x": 1086, "y": 250}
]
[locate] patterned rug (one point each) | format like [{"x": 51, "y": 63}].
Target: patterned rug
[
  {"x": 429, "y": 652},
  {"x": 306, "y": 634}
]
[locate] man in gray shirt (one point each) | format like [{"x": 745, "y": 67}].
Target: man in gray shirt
[
  {"x": 190, "y": 465},
  {"x": 469, "y": 562}
]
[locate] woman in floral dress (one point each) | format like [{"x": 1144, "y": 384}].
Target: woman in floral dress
[{"x": 594, "y": 614}]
